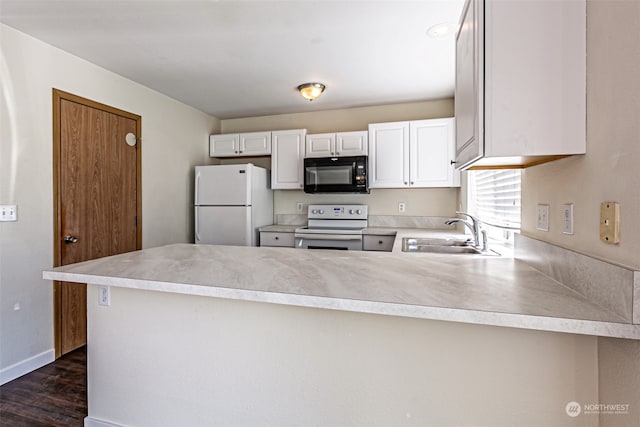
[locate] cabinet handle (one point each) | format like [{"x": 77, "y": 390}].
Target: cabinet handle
[
  {"x": 277, "y": 238},
  {"x": 236, "y": 152},
  {"x": 405, "y": 183},
  {"x": 452, "y": 162},
  {"x": 240, "y": 151},
  {"x": 379, "y": 242},
  {"x": 337, "y": 153},
  {"x": 411, "y": 182}
]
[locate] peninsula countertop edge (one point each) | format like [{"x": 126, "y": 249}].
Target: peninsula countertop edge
[{"x": 497, "y": 291}]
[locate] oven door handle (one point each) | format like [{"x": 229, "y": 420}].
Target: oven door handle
[{"x": 328, "y": 236}]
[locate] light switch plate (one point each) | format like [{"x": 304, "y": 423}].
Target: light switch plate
[
  {"x": 542, "y": 219},
  {"x": 610, "y": 222},
  {"x": 567, "y": 218},
  {"x": 8, "y": 213}
]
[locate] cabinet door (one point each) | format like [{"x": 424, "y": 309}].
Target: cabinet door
[
  {"x": 320, "y": 145},
  {"x": 255, "y": 144},
  {"x": 431, "y": 150},
  {"x": 469, "y": 81},
  {"x": 389, "y": 155},
  {"x": 224, "y": 145},
  {"x": 352, "y": 143},
  {"x": 287, "y": 159}
]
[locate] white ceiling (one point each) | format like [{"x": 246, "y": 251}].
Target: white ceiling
[{"x": 245, "y": 58}]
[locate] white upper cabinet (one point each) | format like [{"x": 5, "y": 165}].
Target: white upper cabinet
[
  {"x": 339, "y": 144},
  {"x": 520, "y": 82},
  {"x": 389, "y": 155},
  {"x": 320, "y": 145},
  {"x": 240, "y": 144},
  {"x": 412, "y": 154},
  {"x": 431, "y": 154},
  {"x": 224, "y": 145},
  {"x": 352, "y": 143},
  {"x": 287, "y": 159}
]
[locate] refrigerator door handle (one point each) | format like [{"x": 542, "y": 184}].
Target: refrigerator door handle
[
  {"x": 196, "y": 225},
  {"x": 195, "y": 201}
]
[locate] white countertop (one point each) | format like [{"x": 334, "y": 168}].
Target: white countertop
[{"x": 477, "y": 289}]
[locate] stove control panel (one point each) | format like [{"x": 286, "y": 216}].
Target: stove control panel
[{"x": 337, "y": 212}]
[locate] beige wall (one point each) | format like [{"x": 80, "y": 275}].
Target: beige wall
[
  {"x": 173, "y": 140},
  {"x": 271, "y": 364},
  {"x": 419, "y": 202},
  {"x": 608, "y": 172}
]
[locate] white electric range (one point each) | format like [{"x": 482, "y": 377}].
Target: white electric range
[{"x": 333, "y": 227}]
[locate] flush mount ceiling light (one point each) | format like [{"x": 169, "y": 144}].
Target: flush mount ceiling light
[
  {"x": 440, "y": 31},
  {"x": 311, "y": 91}
]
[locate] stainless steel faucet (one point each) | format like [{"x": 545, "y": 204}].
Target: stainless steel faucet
[{"x": 474, "y": 227}]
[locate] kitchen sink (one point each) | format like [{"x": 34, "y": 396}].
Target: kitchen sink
[{"x": 441, "y": 246}]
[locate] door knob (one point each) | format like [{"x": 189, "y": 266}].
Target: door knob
[{"x": 70, "y": 239}]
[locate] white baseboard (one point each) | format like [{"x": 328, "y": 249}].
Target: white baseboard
[
  {"x": 92, "y": 422},
  {"x": 19, "y": 369}
]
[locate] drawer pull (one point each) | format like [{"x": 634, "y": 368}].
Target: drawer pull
[{"x": 277, "y": 238}]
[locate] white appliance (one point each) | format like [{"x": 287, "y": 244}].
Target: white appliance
[
  {"x": 333, "y": 227},
  {"x": 231, "y": 203}
]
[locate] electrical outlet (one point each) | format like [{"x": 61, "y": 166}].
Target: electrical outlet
[
  {"x": 104, "y": 295},
  {"x": 299, "y": 207},
  {"x": 610, "y": 222},
  {"x": 8, "y": 213},
  {"x": 542, "y": 222},
  {"x": 401, "y": 207},
  {"x": 567, "y": 218}
]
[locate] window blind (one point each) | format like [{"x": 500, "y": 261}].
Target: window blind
[{"x": 495, "y": 196}]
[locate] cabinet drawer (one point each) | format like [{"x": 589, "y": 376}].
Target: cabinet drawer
[
  {"x": 378, "y": 243},
  {"x": 271, "y": 238}
]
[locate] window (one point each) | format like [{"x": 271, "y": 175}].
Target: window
[{"x": 494, "y": 197}]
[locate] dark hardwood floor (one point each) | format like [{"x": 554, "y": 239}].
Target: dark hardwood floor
[{"x": 54, "y": 395}]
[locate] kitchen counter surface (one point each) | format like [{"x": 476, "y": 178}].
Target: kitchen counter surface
[{"x": 476, "y": 289}]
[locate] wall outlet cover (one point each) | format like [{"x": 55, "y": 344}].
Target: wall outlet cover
[
  {"x": 567, "y": 218},
  {"x": 542, "y": 218},
  {"x": 8, "y": 213}
]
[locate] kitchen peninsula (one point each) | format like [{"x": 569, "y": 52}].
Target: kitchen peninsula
[{"x": 345, "y": 337}]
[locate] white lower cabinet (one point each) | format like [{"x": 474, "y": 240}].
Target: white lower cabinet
[
  {"x": 412, "y": 154},
  {"x": 374, "y": 242},
  {"x": 287, "y": 159},
  {"x": 280, "y": 238}
]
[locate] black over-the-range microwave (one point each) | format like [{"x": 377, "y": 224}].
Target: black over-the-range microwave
[{"x": 336, "y": 175}]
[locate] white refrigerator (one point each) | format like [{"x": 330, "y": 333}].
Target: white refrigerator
[{"x": 231, "y": 203}]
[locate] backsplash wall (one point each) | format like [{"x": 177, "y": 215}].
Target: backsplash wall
[{"x": 419, "y": 202}]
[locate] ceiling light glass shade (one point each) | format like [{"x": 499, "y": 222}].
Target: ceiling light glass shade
[{"x": 311, "y": 91}]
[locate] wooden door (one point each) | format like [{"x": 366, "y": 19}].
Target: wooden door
[{"x": 97, "y": 192}]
